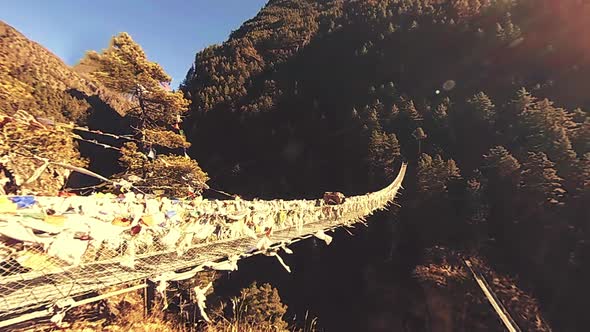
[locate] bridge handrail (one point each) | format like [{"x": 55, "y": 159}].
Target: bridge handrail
[{"x": 71, "y": 246}]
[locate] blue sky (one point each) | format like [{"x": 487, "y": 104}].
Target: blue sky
[{"x": 170, "y": 31}]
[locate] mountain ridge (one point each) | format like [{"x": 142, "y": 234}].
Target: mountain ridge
[{"x": 38, "y": 81}]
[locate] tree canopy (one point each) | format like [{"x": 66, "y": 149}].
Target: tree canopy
[
  {"x": 124, "y": 68},
  {"x": 485, "y": 99}
]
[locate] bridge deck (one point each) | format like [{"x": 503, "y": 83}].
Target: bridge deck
[
  {"x": 23, "y": 292},
  {"x": 46, "y": 289}
]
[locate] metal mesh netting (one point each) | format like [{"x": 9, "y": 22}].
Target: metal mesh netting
[{"x": 56, "y": 248}]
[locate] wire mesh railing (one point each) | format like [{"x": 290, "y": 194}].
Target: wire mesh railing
[{"x": 53, "y": 249}]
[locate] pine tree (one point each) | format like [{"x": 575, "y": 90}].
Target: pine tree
[
  {"x": 425, "y": 174},
  {"x": 523, "y": 101},
  {"x": 409, "y": 112},
  {"x": 500, "y": 32},
  {"x": 540, "y": 181},
  {"x": 453, "y": 169},
  {"x": 432, "y": 175},
  {"x": 124, "y": 67},
  {"x": 372, "y": 120},
  {"x": 511, "y": 30},
  {"x": 391, "y": 28},
  {"x": 441, "y": 117},
  {"x": 383, "y": 150},
  {"x": 261, "y": 306},
  {"x": 441, "y": 170},
  {"x": 364, "y": 51},
  {"x": 483, "y": 107},
  {"x": 544, "y": 129},
  {"x": 559, "y": 148},
  {"x": 378, "y": 107},
  {"x": 394, "y": 112},
  {"x": 501, "y": 162}
]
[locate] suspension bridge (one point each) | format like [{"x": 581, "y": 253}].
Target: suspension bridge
[{"x": 58, "y": 252}]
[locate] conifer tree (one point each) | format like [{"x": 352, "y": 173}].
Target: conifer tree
[
  {"x": 383, "y": 151},
  {"x": 124, "y": 68},
  {"x": 523, "y": 101},
  {"x": 432, "y": 175},
  {"x": 441, "y": 116},
  {"x": 501, "y": 162},
  {"x": 544, "y": 129},
  {"x": 372, "y": 121},
  {"x": 424, "y": 174},
  {"x": 483, "y": 107},
  {"x": 540, "y": 180},
  {"x": 409, "y": 112}
]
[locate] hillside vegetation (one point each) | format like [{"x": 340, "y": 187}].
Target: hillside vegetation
[
  {"x": 487, "y": 100},
  {"x": 35, "y": 80}
]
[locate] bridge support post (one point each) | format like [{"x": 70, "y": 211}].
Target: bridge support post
[{"x": 149, "y": 297}]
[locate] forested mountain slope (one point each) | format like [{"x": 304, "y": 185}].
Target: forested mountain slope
[
  {"x": 487, "y": 100},
  {"x": 35, "y": 80},
  {"x": 309, "y": 74}
]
